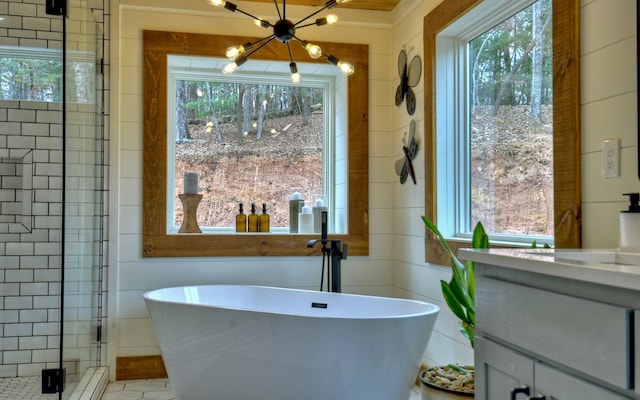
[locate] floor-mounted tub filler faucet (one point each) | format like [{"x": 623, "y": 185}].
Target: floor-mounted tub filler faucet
[{"x": 335, "y": 253}]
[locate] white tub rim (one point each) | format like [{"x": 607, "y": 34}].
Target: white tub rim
[{"x": 428, "y": 308}]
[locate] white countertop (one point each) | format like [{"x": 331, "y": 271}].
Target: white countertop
[{"x": 606, "y": 267}]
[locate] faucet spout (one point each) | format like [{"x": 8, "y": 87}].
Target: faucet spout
[{"x": 323, "y": 233}]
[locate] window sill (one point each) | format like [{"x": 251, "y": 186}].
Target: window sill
[
  {"x": 435, "y": 254},
  {"x": 244, "y": 245}
]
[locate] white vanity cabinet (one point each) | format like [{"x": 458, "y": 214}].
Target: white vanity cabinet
[
  {"x": 548, "y": 335},
  {"x": 503, "y": 373}
]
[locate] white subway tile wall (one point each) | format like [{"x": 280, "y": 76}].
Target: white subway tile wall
[{"x": 30, "y": 261}]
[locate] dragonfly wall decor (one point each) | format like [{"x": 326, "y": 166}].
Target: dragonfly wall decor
[{"x": 404, "y": 166}]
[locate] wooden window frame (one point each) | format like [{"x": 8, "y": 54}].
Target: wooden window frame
[
  {"x": 156, "y": 241},
  {"x": 566, "y": 121}
]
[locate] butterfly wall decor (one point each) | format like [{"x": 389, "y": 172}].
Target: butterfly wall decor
[
  {"x": 404, "y": 166},
  {"x": 409, "y": 77}
]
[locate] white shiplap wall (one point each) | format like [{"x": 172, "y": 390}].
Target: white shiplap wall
[
  {"x": 609, "y": 110},
  {"x": 130, "y": 330},
  {"x": 396, "y": 265}
]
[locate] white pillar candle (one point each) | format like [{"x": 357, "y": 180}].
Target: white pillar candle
[{"x": 190, "y": 183}]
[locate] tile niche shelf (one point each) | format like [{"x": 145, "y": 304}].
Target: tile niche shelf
[{"x": 16, "y": 188}]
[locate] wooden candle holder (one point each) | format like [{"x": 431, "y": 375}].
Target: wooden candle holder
[{"x": 190, "y": 210}]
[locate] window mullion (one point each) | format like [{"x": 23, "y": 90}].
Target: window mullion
[
  {"x": 463, "y": 152},
  {"x": 446, "y": 136}
]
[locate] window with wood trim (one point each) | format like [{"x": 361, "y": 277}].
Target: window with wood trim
[{"x": 455, "y": 33}]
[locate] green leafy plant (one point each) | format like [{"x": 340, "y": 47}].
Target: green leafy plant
[{"x": 459, "y": 292}]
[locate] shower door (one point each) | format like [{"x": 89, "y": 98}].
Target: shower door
[{"x": 83, "y": 200}]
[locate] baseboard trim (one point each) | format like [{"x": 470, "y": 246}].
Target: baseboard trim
[{"x": 140, "y": 367}]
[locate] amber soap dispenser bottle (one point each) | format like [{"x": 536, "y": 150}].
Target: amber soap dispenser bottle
[
  {"x": 263, "y": 219},
  {"x": 241, "y": 221},
  {"x": 253, "y": 219}
]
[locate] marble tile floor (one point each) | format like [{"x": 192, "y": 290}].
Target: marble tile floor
[{"x": 160, "y": 389}]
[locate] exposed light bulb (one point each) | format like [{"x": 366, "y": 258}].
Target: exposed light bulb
[
  {"x": 261, "y": 23},
  {"x": 234, "y": 51},
  {"x": 295, "y": 76},
  {"x": 233, "y": 65},
  {"x": 333, "y": 3},
  {"x": 331, "y": 19},
  {"x": 230, "y": 68},
  {"x": 314, "y": 50},
  {"x": 345, "y": 67},
  {"x": 223, "y": 3}
]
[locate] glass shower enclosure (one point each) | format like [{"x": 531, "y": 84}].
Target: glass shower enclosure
[
  {"x": 52, "y": 196},
  {"x": 83, "y": 198}
]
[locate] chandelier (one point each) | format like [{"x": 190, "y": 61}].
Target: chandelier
[{"x": 284, "y": 31}]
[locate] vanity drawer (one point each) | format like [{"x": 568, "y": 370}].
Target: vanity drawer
[{"x": 587, "y": 336}]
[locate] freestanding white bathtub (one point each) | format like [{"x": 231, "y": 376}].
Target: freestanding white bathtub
[{"x": 224, "y": 342}]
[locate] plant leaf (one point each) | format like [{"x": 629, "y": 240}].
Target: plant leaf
[
  {"x": 433, "y": 228},
  {"x": 480, "y": 238},
  {"x": 471, "y": 282},
  {"x": 460, "y": 369},
  {"x": 459, "y": 292},
  {"x": 458, "y": 267},
  {"x": 468, "y": 331},
  {"x": 462, "y": 297},
  {"x": 452, "y": 301}
]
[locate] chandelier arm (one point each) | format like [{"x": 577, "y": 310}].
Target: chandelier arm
[
  {"x": 313, "y": 14},
  {"x": 289, "y": 50},
  {"x": 331, "y": 58},
  {"x": 250, "y": 15},
  {"x": 305, "y": 25},
  {"x": 275, "y": 2},
  {"x": 263, "y": 39},
  {"x": 265, "y": 42},
  {"x": 284, "y": 9}
]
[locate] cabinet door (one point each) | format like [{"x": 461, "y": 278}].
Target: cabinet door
[
  {"x": 585, "y": 335},
  {"x": 557, "y": 385},
  {"x": 500, "y": 371}
]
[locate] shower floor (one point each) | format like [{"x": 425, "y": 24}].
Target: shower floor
[{"x": 27, "y": 388}]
